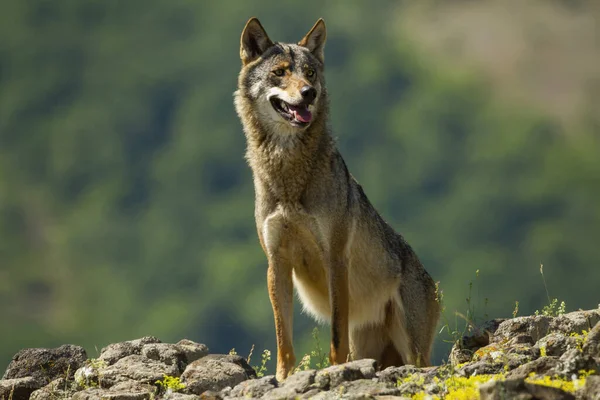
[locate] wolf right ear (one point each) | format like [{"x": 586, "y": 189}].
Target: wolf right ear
[
  {"x": 254, "y": 42},
  {"x": 315, "y": 40}
]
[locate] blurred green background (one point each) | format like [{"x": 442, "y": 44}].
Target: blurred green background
[{"x": 126, "y": 207}]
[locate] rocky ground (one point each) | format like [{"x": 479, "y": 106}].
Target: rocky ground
[{"x": 536, "y": 357}]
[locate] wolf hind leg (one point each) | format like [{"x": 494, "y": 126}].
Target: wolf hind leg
[
  {"x": 399, "y": 334},
  {"x": 368, "y": 341}
]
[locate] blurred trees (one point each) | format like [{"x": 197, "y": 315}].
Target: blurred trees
[{"x": 126, "y": 207}]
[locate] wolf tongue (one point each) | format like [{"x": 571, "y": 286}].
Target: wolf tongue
[{"x": 301, "y": 113}]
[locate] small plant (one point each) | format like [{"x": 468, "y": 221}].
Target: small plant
[
  {"x": 262, "y": 369},
  {"x": 90, "y": 375},
  {"x": 579, "y": 339},
  {"x": 516, "y": 310},
  {"x": 317, "y": 353},
  {"x": 304, "y": 364},
  {"x": 250, "y": 354},
  {"x": 469, "y": 318},
  {"x": 553, "y": 309},
  {"x": 232, "y": 352},
  {"x": 170, "y": 384}
]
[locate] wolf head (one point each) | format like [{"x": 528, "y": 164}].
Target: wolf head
[{"x": 282, "y": 85}]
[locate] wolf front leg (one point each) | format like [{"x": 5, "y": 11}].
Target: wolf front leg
[
  {"x": 339, "y": 301},
  {"x": 279, "y": 281}
]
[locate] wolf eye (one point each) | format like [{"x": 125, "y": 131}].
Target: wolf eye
[
  {"x": 279, "y": 72},
  {"x": 310, "y": 72}
]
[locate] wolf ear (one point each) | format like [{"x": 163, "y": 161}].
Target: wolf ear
[
  {"x": 254, "y": 41},
  {"x": 315, "y": 40}
]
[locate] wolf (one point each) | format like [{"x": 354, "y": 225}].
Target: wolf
[{"x": 315, "y": 224}]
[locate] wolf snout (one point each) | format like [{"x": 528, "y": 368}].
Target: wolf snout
[{"x": 309, "y": 94}]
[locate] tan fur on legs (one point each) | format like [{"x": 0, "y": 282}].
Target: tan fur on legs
[{"x": 279, "y": 282}]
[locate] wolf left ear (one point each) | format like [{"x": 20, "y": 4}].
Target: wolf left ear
[
  {"x": 315, "y": 40},
  {"x": 254, "y": 41}
]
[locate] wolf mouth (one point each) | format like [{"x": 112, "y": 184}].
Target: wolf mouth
[{"x": 297, "y": 115}]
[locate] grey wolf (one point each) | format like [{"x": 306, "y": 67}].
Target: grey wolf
[{"x": 315, "y": 224}]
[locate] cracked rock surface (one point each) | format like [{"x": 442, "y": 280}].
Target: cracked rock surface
[{"x": 534, "y": 357}]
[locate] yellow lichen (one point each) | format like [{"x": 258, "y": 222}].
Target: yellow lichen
[{"x": 560, "y": 383}]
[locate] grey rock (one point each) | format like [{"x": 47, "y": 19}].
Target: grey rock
[
  {"x": 518, "y": 389},
  {"x": 479, "y": 368},
  {"x": 591, "y": 390},
  {"x": 19, "y": 388},
  {"x": 536, "y": 326},
  {"x": 114, "y": 352},
  {"x": 212, "y": 395},
  {"x": 540, "y": 366},
  {"x": 331, "y": 377},
  {"x": 57, "y": 389},
  {"x": 300, "y": 382},
  {"x": 591, "y": 346},
  {"x": 181, "y": 396},
  {"x": 137, "y": 368},
  {"x": 45, "y": 365},
  {"x": 192, "y": 350},
  {"x": 481, "y": 335},
  {"x": 575, "y": 322},
  {"x": 459, "y": 355},
  {"x": 573, "y": 361},
  {"x": 213, "y": 373},
  {"x": 311, "y": 394},
  {"x": 555, "y": 344},
  {"x": 367, "y": 387},
  {"x": 394, "y": 374},
  {"x": 169, "y": 354},
  {"x": 126, "y": 390},
  {"x": 254, "y": 387},
  {"x": 235, "y": 359}
]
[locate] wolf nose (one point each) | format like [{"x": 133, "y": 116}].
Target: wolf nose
[{"x": 309, "y": 93}]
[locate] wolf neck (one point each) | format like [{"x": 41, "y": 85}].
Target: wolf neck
[{"x": 285, "y": 165}]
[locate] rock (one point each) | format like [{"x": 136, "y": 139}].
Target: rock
[
  {"x": 555, "y": 344},
  {"x": 366, "y": 388},
  {"x": 19, "y": 388},
  {"x": 300, "y": 382},
  {"x": 114, "y": 352},
  {"x": 459, "y": 355},
  {"x": 127, "y": 390},
  {"x": 540, "y": 367},
  {"x": 480, "y": 368},
  {"x": 45, "y": 365},
  {"x": 192, "y": 350},
  {"x": 481, "y": 335},
  {"x": 137, "y": 368},
  {"x": 575, "y": 322},
  {"x": 572, "y": 362},
  {"x": 535, "y": 326},
  {"x": 254, "y": 387},
  {"x": 57, "y": 389},
  {"x": 331, "y": 377},
  {"x": 591, "y": 346},
  {"x": 518, "y": 389},
  {"x": 394, "y": 374},
  {"x": 182, "y": 396},
  {"x": 235, "y": 359},
  {"x": 215, "y": 373},
  {"x": 591, "y": 390},
  {"x": 169, "y": 354}
]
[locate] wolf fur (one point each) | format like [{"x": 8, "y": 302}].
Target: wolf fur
[{"x": 316, "y": 226}]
